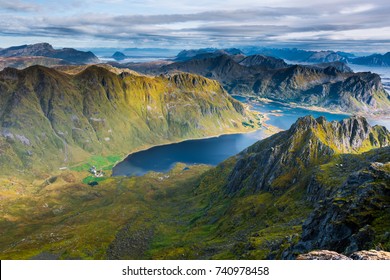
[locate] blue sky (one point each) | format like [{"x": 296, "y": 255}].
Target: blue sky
[{"x": 354, "y": 25}]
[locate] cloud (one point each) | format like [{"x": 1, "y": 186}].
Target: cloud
[
  {"x": 334, "y": 23},
  {"x": 18, "y": 6},
  {"x": 357, "y": 9}
]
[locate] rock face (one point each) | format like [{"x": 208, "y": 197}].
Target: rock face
[
  {"x": 322, "y": 255},
  {"x": 50, "y": 118},
  {"x": 46, "y": 50},
  {"x": 331, "y": 255},
  {"x": 373, "y": 60},
  {"x": 370, "y": 255},
  {"x": 333, "y": 85}
]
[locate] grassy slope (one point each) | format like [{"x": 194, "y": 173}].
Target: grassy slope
[
  {"x": 69, "y": 219},
  {"x": 155, "y": 216}
]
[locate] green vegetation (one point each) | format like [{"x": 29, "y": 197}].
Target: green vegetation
[{"x": 100, "y": 162}]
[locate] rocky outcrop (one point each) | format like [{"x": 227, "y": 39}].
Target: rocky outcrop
[
  {"x": 322, "y": 255},
  {"x": 343, "y": 220},
  {"x": 370, "y": 255},
  {"x": 331, "y": 255}
]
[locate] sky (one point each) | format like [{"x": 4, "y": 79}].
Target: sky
[{"x": 347, "y": 25}]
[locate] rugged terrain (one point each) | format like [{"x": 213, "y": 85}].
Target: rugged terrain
[
  {"x": 332, "y": 86},
  {"x": 55, "y": 118}
]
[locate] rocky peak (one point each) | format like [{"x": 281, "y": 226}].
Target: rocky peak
[
  {"x": 308, "y": 142},
  {"x": 348, "y": 135},
  {"x": 27, "y": 50}
]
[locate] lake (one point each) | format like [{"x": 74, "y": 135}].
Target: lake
[
  {"x": 212, "y": 150},
  {"x": 203, "y": 151}
]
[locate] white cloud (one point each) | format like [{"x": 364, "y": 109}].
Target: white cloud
[{"x": 357, "y": 9}]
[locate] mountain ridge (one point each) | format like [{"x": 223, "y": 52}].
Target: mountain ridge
[
  {"x": 374, "y": 60},
  {"x": 332, "y": 86},
  {"x": 96, "y": 111}
]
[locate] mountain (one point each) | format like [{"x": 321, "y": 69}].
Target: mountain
[
  {"x": 339, "y": 66},
  {"x": 263, "y": 61},
  {"x": 307, "y": 143},
  {"x": 373, "y": 60},
  {"x": 298, "y": 55},
  {"x": 332, "y": 86},
  {"x": 50, "y": 118},
  {"x": 46, "y": 50},
  {"x": 206, "y": 53},
  {"x": 329, "y": 168},
  {"x": 119, "y": 56}
]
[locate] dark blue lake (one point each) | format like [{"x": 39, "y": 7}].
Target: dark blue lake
[{"x": 203, "y": 151}]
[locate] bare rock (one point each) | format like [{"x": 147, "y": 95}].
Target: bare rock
[
  {"x": 370, "y": 255},
  {"x": 322, "y": 255}
]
